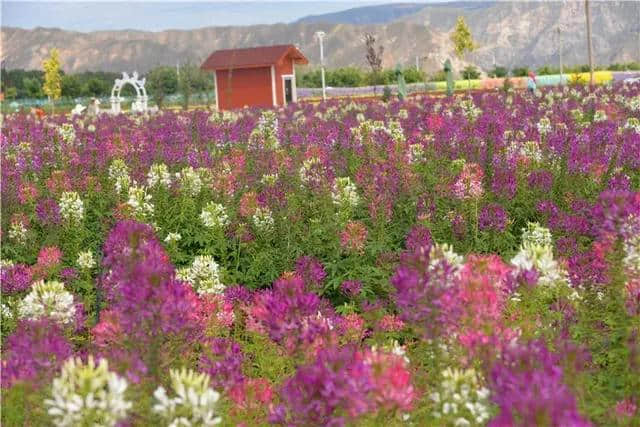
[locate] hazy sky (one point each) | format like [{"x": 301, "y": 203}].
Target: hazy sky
[{"x": 160, "y": 15}]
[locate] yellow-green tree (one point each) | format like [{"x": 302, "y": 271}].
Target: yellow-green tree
[
  {"x": 462, "y": 40},
  {"x": 52, "y": 86}
]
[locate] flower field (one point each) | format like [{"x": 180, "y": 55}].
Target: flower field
[{"x": 436, "y": 262}]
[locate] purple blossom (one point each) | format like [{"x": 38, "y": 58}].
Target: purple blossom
[
  {"x": 424, "y": 295},
  {"x": 238, "y": 294},
  {"x": 222, "y": 358},
  {"x": 331, "y": 391},
  {"x": 351, "y": 287},
  {"x": 311, "y": 271},
  {"x": 528, "y": 386},
  {"x": 492, "y": 217},
  {"x": 419, "y": 237},
  {"x": 34, "y": 352},
  {"x": 541, "y": 180},
  {"x": 48, "y": 212},
  {"x": 16, "y": 278}
]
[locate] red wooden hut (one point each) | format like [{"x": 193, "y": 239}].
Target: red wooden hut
[{"x": 258, "y": 76}]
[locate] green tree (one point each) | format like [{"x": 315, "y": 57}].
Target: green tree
[
  {"x": 11, "y": 92},
  {"x": 412, "y": 75},
  {"x": 71, "y": 86},
  {"x": 470, "y": 72},
  {"x": 95, "y": 87},
  {"x": 462, "y": 40},
  {"x": 52, "y": 86},
  {"x": 520, "y": 72},
  {"x": 498, "y": 71},
  {"x": 187, "y": 80},
  {"x": 31, "y": 87},
  {"x": 162, "y": 81}
]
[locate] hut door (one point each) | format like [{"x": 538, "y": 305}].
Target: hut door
[{"x": 288, "y": 90}]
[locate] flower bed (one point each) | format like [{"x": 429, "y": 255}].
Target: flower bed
[{"x": 442, "y": 261}]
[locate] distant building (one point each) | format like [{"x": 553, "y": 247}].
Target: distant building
[{"x": 255, "y": 77}]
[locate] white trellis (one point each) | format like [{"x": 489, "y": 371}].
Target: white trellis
[{"x": 140, "y": 104}]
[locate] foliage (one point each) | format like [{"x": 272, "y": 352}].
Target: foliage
[
  {"x": 520, "y": 72},
  {"x": 373, "y": 55},
  {"x": 52, "y": 86},
  {"x": 161, "y": 82},
  {"x": 498, "y": 71},
  {"x": 470, "y": 72},
  {"x": 462, "y": 39}
]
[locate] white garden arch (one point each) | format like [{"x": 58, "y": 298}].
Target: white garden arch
[{"x": 140, "y": 104}]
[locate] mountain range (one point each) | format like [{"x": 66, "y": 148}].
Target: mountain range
[{"x": 507, "y": 33}]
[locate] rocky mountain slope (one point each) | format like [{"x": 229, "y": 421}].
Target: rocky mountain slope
[{"x": 508, "y": 33}]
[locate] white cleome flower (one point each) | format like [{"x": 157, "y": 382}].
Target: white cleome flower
[
  {"x": 159, "y": 176},
  {"x": 18, "y": 232},
  {"x": 461, "y": 398},
  {"x": 67, "y": 133},
  {"x": 87, "y": 395},
  {"x": 535, "y": 234},
  {"x": 194, "y": 403},
  {"x": 48, "y": 299},
  {"x": 214, "y": 216},
  {"x": 190, "y": 181},
  {"x": 85, "y": 260},
  {"x": 71, "y": 207},
  {"x": 203, "y": 275},
  {"x": 119, "y": 174},
  {"x": 140, "y": 202},
  {"x": 172, "y": 237},
  {"x": 263, "y": 219},
  {"x": 536, "y": 252},
  {"x": 345, "y": 193}
]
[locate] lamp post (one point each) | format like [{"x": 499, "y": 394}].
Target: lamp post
[
  {"x": 320, "y": 36},
  {"x": 587, "y": 12},
  {"x": 560, "y": 54}
]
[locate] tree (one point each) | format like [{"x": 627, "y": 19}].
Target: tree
[
  {"x": 71, "y": 86},
  {"x": 187, "y": 80},
  {"x": 32, "y": 87},
  {"x": 520, "y": 72},
  {"x": 162, "y": 81},
  {"x": 470, "y": 72},
  {"x": 462, "y": 40},
  {"x": 498, "y": 72},
  {"x": 52, "y": 86},
  {"x": 95, "y": 87},
  {"x": 11, "y": 93},
  {"x": 374, "y": 57}
]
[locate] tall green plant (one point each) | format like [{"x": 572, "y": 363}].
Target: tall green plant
[
  {"x": 52, "y": 86},
  {"x": 462, "y": 41}
]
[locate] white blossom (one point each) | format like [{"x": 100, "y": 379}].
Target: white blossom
[
  {"x": 461, "y": 398},
  {"x": 87, "y": 394},
  {"x": 263, "y": 219},
  {"x": 119, "y": 174},
  {"x": 194, "y": 402},
  {"x": 345, "y": 193},
  {"x": 67, "y": 133},
  {"x": 140, "y": 202},
  {"x": 85, "y": 260},
  {"x": 71, "y": 207},
  {"x": 159, "y": 175},
  {"x": 203, "y": 275},
  {"x": 172, "y": 237},
  {"x": 48, "y": 299},
  {"x": 544, "y": 126},
  {"x": 214, "y": 215},
  {"x": 18, "y": 232},
  {"x": 190, "y": 181}
]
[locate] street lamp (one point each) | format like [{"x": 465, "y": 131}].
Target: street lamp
[{"x": 320, "y": 36}]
